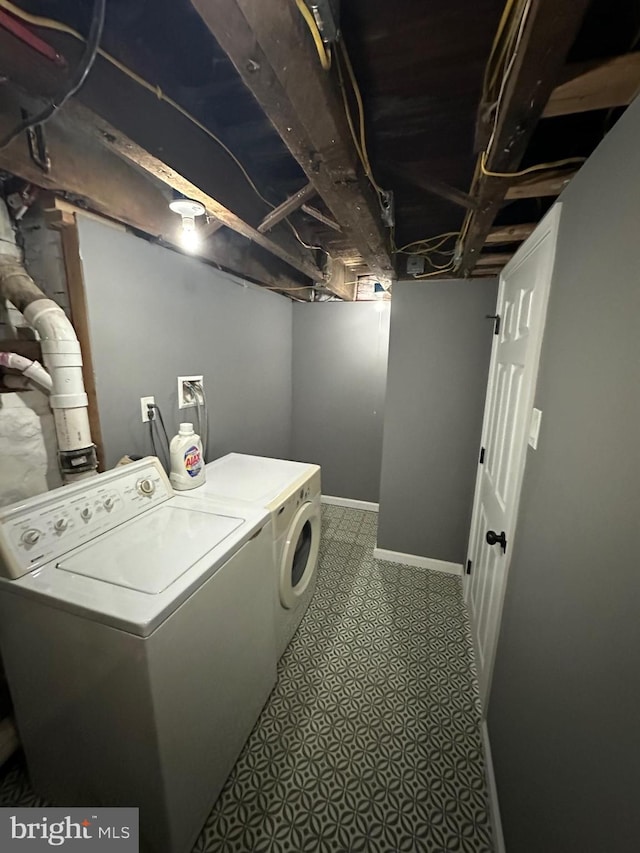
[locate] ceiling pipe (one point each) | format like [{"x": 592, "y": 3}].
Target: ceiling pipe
[{"x": 60, "y": 353}]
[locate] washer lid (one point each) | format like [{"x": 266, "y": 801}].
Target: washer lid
[{"x": 151, "y": 555}]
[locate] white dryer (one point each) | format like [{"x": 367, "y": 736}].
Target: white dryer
[
  {"x": 291, "y": 492},
  {"x": 138, "y": 642}
]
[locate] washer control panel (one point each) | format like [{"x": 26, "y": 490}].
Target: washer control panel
[{"x": 43, "y": 528}]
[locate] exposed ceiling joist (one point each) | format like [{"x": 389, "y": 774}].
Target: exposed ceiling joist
[
  {"x": 109, "y": 185},
  {"x": 272, "y": 50},
  {"x": 124, "y": 147},
  {"x": 541, "y": 184},
  {"x": 434, "y": 186},
  {"x": 510, "y": 233},
  {"x": 596, "y": 86},
  {"x": 320, "y": 217},
  {"x": 494, "y": 260},
  {"x": 486, "y": 272},
  {"x": 288, "y": 206},
  {"x": 547, "y": 35}
]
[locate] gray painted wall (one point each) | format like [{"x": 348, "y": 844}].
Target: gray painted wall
[
  {"x": 439, "y": 349},
  {"x": 339, "y": 377},
  {"x": 565, "y": 703},
  {"x": 154, "y": 315}
]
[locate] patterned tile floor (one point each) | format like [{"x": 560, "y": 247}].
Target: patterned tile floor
[{"x": 370, "y": 741}]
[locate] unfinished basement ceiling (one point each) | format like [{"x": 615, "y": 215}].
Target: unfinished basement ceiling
[{"x": 420, "y": 67}]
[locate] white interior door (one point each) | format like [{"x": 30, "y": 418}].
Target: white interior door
[{"x": 522, "y": 306}]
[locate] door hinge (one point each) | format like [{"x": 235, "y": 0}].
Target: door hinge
[
  {"x": 469, "y": 564},
  {"x": 482, "y": 451},
  {"x": 496, "y": 322}
]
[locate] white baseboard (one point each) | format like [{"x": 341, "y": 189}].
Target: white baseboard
[
  {"x": 494, "y": 806},
  {"x": 366, "y": 505},
  {"x": 418, "y": 562}
]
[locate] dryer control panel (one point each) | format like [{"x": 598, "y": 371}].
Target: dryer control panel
[{"x": 45, "y": 527}]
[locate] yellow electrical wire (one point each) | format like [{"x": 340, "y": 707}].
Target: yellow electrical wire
[
  {"x": 347, "y": 111},
  {"x": 449, "y": 268},
  {"x": 426, "y": 241},
  {"x": 538, "y": 168},
  {"x": 325, "y": 56},
  {"x": 488, "y": 84},
  {"x": 58, "y": 26},
  {"x": 362, "y": 148}
]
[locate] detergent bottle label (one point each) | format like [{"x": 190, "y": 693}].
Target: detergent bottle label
[{"x": 193, "y": 461}]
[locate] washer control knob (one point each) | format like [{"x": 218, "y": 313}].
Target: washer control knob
[
  {"x": 146, "y": 487},
  {"x": 86, "y": 513},
  {"x": 61, "y": 525},
  {"x": 108, "y": 504},
  {"x": 31, "y": 536}
]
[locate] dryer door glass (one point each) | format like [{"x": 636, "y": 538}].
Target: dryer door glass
[{"x": 301, "y": 555}]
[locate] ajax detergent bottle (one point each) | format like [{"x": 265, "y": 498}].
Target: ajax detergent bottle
[{"x": 187, "y": 462}]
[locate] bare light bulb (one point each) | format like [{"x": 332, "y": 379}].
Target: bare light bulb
[
  {"x": 190, "y": 239},
  {"x": 188, "y": 210}
]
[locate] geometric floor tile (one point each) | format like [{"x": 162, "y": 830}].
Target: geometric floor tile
[{"x": 370, "y": 740}]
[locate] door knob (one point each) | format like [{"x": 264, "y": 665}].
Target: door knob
[{"x": 493, "y": 539}]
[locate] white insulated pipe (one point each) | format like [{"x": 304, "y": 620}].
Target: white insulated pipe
[
  {"x": 32, "y": 370},
  {"x": 60, "y": 353}
]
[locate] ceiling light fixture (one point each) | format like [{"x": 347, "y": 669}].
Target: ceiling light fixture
[{"x": 188, "y": 209}]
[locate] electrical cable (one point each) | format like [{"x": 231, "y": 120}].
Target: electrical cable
[
  {"x": 78, "y": 76},
  {"x": 164, "y": 429},
  {"x": 361, "y": 144},
  {"x": 152, "y": 408},
  {"x": 58, "y": 26},
  {"x": 537, "y": 168},
  {"x": 489, "y": 81},
  {"x": 418, "y": 247},
  {"x": 325, "y": 56}
]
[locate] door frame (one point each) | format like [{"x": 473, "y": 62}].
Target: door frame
[{"x": 548, "y": 228}]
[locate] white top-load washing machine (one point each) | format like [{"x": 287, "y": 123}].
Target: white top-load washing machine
[
  {"x": 291, "y": 492},
  {"x": 138, "y": 642}
]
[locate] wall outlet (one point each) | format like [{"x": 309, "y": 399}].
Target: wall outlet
[
  {"x": 190, "y": 396},
  {"x": 144, "y": 402}
]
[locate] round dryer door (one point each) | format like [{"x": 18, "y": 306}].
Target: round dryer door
[{"x": 300, "y": 556}]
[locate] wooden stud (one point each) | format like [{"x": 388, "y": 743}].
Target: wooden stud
[
  {"x": 541, "y": 184},
  {"x": 548, "y": 34},
  {"x": 510, "y": 233},
  {"x": 609, "y": 83},
  {"x": 283, "y": 210},
  {"x": 316, "y": 214},
  {"x": 272, "y": 49},
  {"x": 114, "y": 188},
  {"x": 434, "y": 186},
  {"x": 494, "y": 260}
]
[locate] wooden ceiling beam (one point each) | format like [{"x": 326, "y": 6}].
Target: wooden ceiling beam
[
  {"x": 272, "y": 49},
  {"x": 609, "y": 83},
  {"x": 92, "y": 173},
  {"x": 510, "y": 233},
  {"x": 494, "y": 260},
  {"x": 288, "y": 206},
  {"x": 296, "y": 257},
  {"x": 548, "y": 33},
  {"x": 433, "y": 186},
  {"x": 320, "y": 217},
  {"x": 541, "y": 184}
]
